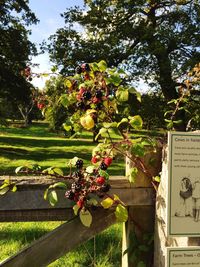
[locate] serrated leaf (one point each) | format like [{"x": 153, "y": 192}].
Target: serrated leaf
[
  {"x": 58, "y": 171},
  {"x": 4, "y": 190},
  {"x": 102, "y": 65},
  {"x": 133, "y": 174},
  {"x": 85, "y": 217},
  {"x": 53, "y": 198},
  {"x": 90, "y": 169},
  {"x": 76, "y": 209},
  {"x": 107, "y": 203},
  {"x": 136, "y": 122},
  {"x": 121, "y": 213},
  {"x": 18, "y": 169}
]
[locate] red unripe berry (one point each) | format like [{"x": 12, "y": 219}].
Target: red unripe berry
[
  {"x": 108, "y": 161},
  {"x": 100, "y": 180},
  {"x": 40, "y": 105},
  {"x": 82, "y": 90},
  {"x": 94, "y": 160},
  {"x": 80, "y": 203}
]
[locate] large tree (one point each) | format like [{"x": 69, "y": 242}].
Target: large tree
[
  {"x": 156, "y": 40},
  {"x": 15, "y": 50}
]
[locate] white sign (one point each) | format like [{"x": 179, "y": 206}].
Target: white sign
[
  {"x": 183, "y": 209},
  {"x": 183, "y": 257}
]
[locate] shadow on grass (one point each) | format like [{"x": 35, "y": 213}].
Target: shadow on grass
[{"x": 16, "y": 141}]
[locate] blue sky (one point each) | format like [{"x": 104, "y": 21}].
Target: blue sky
[{"x": 48, "y": 12}]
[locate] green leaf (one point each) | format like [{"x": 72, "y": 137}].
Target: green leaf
[
  {"x": 4, "y": 190},
  {"x": 94, "y": 66},
  {"x": 67, "y": 83},
  {"x": 132, "y": 174},
  {"x": 46, "y": 193},
  {"x": 156, "y": 178},
  {"x": 122, "y": 94},
  {"x": 53, "y": 198},
  {"x": 85, "y": 217},
  {"x": 59, "y": 185},
  {"x": 107, "y": 203},
  {"x": 116, "y": 198},
  {"x": 18, "y": 169},
  {"x": 102, "y": 65},
  {"x": 136, "y": 122},
  {"x": 101, "y": 132},
  {"x": 108, "y": 125},
  {"x": 72, "y": 162},
  {"x": 58, "y": 171},
  {"x": 92, "y": 201},
  {"x": 124, "y": 120},
  {"x": 138, "y": 150},
  {"x": 104, "y": 174},
  {"x": 67, "y": 127},
  {"x": 14, "y": 189},
  {"x": 76, "y": 209},
  {"x": 121, "y": 213}
]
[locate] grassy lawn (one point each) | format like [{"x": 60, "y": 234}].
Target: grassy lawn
[
  {"x": 19, "y": 146},
  {"x": 36, "y": 144}
]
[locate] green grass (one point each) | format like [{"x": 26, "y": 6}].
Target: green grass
[{"x": 21, "y": 146}]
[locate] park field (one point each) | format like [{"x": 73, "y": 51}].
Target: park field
[{"x": 36, "y": 145}]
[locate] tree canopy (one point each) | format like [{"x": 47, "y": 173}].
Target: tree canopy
[
  {"x": 15, "y": 48},
  {"x": 158, "y": 40}
]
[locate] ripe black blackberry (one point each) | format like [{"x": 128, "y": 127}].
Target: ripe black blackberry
[
  {"x": 69, "y": 195},
  {"x": 105, "y": 188},
  {"x": 79, "y": 163},
  {"x": 76, "y": 187},
  {"x": 103, "y": 166},
  {"x": 99, "y": 94},
  {"x": 78, "y": 175},
  {"x": 87, "y": 95},
  {"x": 79, "y": 70}
]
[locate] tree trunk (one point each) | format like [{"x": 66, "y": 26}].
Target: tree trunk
[{"x": 168, "y": 86}]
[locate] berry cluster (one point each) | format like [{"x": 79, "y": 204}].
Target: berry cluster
[{"x": 86, "y": 183}]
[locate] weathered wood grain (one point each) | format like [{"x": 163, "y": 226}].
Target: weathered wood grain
[{"x": 60, "y": 241}]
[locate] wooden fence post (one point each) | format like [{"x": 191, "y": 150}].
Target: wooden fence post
[{"x": 141, "y": 218}]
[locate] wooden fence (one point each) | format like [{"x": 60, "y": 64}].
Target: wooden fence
[{"x": 28, "y": 204}]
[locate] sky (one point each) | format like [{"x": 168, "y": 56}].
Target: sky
[{"x": 48, "y": 12}]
